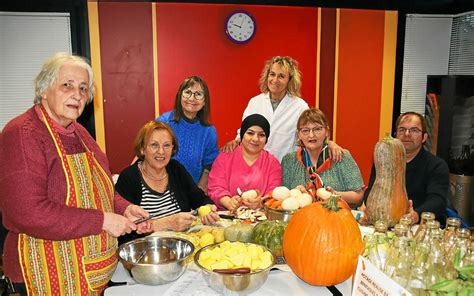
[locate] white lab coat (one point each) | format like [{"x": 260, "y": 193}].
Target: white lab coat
[{"x": 282, "y": 121}]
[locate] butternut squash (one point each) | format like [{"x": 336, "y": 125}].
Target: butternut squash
[{"x": 388, "y": 201}]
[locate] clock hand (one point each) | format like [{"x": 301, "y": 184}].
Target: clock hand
[{"x": 240, "y": 27}]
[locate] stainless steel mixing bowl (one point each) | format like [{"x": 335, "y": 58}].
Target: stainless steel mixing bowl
[
  {"x": 155, "y": 260},
  {"x": 234, "y": 284},
  {"x": 278, "y": 214}
]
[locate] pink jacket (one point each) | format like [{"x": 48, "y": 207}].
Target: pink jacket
[{"x": 230, "y": 171}]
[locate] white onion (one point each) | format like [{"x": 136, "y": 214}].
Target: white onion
[
  {"x": 295, "y": 192},
  {"x": 280, "y": 193},
  {"x": 323, "y": 194},
  {"x": 290, "y": 204},
  {"x": 304, "y": 200}
]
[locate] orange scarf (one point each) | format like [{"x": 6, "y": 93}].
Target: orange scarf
[{"x": 324, "y": 163}]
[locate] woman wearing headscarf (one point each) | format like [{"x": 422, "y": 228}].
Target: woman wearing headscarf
[
  {"x": 311, "y": 166},
  {"x": 58, "y": 200},
  {"x": 248, "y": 167}
]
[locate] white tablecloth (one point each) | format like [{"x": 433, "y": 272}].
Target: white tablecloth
[{"x": 278, "y": 283}]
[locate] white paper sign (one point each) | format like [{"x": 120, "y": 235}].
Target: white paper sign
[{"x": 370, "y": 281}]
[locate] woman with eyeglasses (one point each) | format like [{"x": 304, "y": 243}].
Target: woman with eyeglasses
[
  {"x": 311, "y": 165},
  {"x": 161, "y": 185},
  {"x": 197, "y": 137}
]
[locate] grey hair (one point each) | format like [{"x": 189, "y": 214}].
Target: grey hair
[{"x": 50, "y": 71}]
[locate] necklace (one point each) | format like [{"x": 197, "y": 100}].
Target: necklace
[{"x": 143, "y": 170}]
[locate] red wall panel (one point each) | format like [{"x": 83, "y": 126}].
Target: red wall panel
[
  {"x": 191, "y": 41},
  {"x": 126, "y": 42},
  {"x": 361, "y": 36},
  {"x": 327, "y": 62}
]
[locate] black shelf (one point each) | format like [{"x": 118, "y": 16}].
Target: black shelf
[{"x": 455, "y": 95}]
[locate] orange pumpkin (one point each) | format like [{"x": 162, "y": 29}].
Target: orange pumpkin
[
  {"x": 387, "y": 200},
  {"x": 322, "y": 242}
]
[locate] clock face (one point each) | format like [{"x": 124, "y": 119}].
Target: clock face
[{"x": 240, "y": 27}]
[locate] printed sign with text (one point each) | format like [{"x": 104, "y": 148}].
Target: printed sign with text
[{"x": 370, "y": 281}]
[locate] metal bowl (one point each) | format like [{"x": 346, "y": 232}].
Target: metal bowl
[
  {"x": 278, "y": 214},
  {"x": 155, "y": 260},
  {"x": 234, "y": 284}
]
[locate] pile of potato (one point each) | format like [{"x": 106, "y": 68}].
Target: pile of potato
[
  {"x": 236, "y": 255},
  {"x": 207, "y": 235}
]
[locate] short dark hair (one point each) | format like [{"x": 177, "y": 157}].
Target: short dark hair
[
  {"x": 406, "y": 114},
  {"x": 205, "y": 113},
  {"x": 144, "y": 135}
]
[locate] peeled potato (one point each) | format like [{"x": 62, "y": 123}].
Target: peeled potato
[{"x": 204, "y": 210}]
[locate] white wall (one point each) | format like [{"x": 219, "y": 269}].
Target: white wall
[{"x": 26, "y": 40}]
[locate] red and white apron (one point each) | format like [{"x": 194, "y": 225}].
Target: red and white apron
[{"x": 80, "y": 266}]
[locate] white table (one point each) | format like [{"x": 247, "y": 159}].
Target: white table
[{"x": 278, "y": 283}]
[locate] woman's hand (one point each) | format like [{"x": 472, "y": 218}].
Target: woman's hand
[
  {"x": 117, "y": 225},
  {"x": 335, "y": 151},
  {"x": 330, "y": 189},
  {"x": 212, "y": 217},
  {"x": 363, "y": 220},
  {"x": 134, "y": 213},
  {"x": 253, "y": 203},
  {"x": 231, "y": 203},
  {"x": 180, "y": 221},
  {"x": 230, "y": 146},
  {"x": 301, "y": 188}
]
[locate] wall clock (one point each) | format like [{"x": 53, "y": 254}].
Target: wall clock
[{"x": 240, "y": 26}]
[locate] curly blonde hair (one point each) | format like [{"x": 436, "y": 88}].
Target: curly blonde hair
[{"x": 289, "y": 64}]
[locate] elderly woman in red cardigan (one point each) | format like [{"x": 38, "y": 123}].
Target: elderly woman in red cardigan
[{"x": 58, "y": 200}]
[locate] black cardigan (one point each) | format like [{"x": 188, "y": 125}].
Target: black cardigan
[{"x": 188, "y": 195}]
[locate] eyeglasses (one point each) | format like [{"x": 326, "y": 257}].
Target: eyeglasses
[
  {"x": 316, "y": 130},
  {"x": 155, "y": 146},
  {"x": 411, "y": 131},
  {"x": 198, "y": 95}
]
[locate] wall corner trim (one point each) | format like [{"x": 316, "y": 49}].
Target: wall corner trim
[
  {"x": 93, "y": 13},
  {"x": 155, "y": 61},
  {"x": 388, "y": 72}
]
